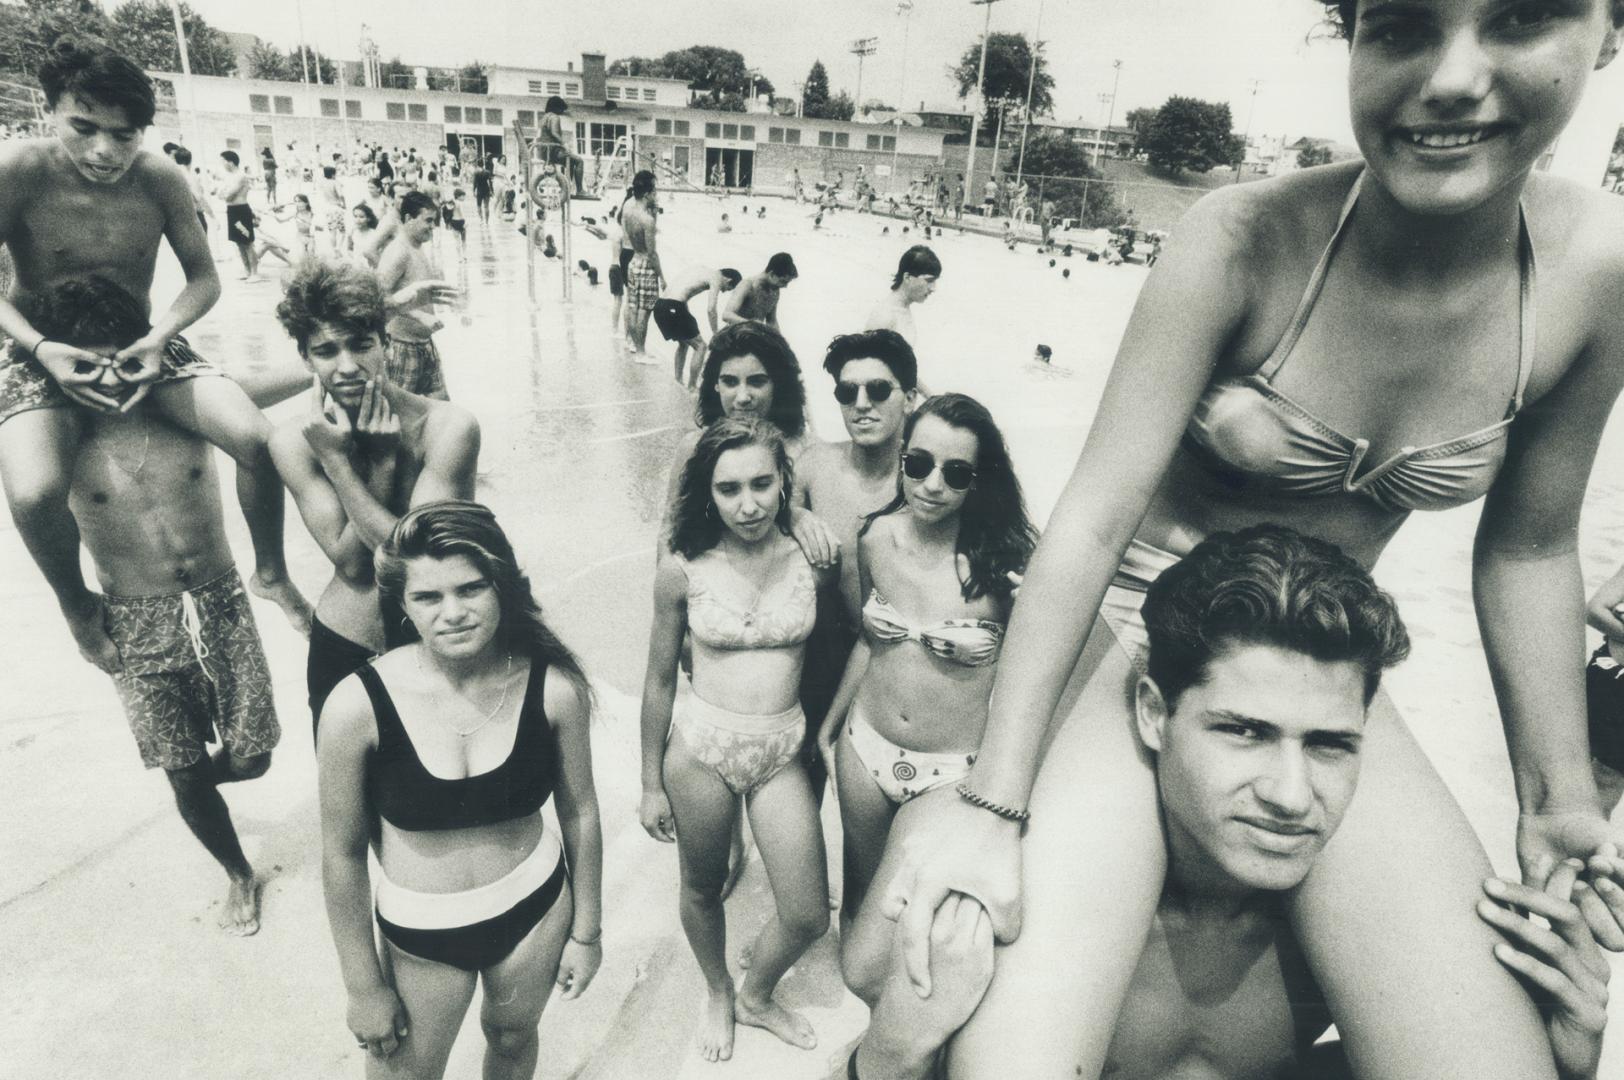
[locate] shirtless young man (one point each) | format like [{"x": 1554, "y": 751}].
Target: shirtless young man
[
  {"x": 644, "y": 276},
  {"x": 413, "y": 288},
  {"x": 91, "y": 201},
  {"x": 186, "y": 658},
  {"x": 916, "y": 277},
  {"x": 678, "y": 324},
  {"x": 1265, "y": 650},
  {"x": 843, "y": 482},
  {"x": 364, "y": 453},
  {"x": 756, "y": 300},
  {"x": 234, "y": 185}
]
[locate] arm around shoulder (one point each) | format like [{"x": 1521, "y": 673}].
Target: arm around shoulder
[{"x": 450, "y": 456}]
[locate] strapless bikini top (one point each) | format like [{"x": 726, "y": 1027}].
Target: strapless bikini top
[
  {"x": 971, "y": 642},
  {"x": 1250, "y": 433}
]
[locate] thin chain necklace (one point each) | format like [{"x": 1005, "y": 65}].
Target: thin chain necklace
[
  {"x": 439, "y": 708},
  {"x": 146, "y": 447}
]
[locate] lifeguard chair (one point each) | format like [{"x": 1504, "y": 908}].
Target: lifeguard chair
[{"x": 547, "y": 187}]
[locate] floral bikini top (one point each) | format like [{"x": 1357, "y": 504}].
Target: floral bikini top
[
  {"x": 780, "y": 617},
  {"x": 971, "y": 642}
]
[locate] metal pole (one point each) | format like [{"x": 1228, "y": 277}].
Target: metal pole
[
  {"x": 905, "y": 9},
  {"x": 1031, "y": 81},
  {"x": 975, "y": 117},
  {"x": 1246, "y": 138},
  {"x": 304, "y": 64},
  {"x": 185, "y": 69}
]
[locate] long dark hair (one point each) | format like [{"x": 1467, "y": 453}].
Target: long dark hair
[
  {"x": 695, "y": 526},
  {"x": 995, "y": 533},
  {"x": 767, "y": 345},
  {"x": 440, "y": 530}
]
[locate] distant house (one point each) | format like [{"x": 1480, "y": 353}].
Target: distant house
[{"x": 1286, "y": 160}]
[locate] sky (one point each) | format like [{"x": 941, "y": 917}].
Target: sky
[{"x": 1209, "y": 49}]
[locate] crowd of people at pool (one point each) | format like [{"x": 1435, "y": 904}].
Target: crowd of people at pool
[{"x": 1096, "y": 789}]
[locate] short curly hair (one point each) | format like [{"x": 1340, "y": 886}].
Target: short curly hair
[
  {"x": 93, "y": 72},
  {"x": 1268, "y": 585},
  {"x": 1340, "y": 14},
  {"x": 324, "y": 292},
  {"x": 86, "y": 312}
]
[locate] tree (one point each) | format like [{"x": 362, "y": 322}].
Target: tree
[
  {"x": 303, "y": 63},
  {"x": 1009, "y": 67},
  {"x": 815, "y": 94},
  {"x": 711, "y": 70},
  {"x": 144, "y": 30},
  {"x": 1188, "y": 134},
  {"x": 268, "y": 62},
  {"x": 394, "y": 74},
  {"x": 1056, "y": 169},
  {"x": 29, "y": 29},
  {"x": 839, "y": 107},
  {"x": 1139, "y": 119},
  {"x": 476, "y": 77},
  {"x": 1312, "y": 154},
  {"x": 646, "y": 66}
]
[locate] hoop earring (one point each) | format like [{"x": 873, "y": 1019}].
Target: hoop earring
[{"x": 710, "y": 512}]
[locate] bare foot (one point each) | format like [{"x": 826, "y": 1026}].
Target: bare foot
[
  {"x": 241, "y": 915},
  {"x": 716, "y": 1029},
  {"x": 793, "y": 1028},
  {"x": 89, "y": 629},
  {"x": 286, "y": 596}
]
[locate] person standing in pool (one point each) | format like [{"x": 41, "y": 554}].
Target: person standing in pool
[
  {"x": 1394, "y": 352},
  {"x": 918, "y": 271}
]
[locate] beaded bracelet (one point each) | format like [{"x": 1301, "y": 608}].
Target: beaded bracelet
[
  {"x": 588, "y": 944},
  {"x": 1008, "y": 813}
]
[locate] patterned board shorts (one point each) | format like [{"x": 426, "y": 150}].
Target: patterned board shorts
[
  {"x": 414, "y": 366},
  {"x": 24, "y": 384},
  {"x": 642, "y": 283},
  {"x": 193, "y": 666}
]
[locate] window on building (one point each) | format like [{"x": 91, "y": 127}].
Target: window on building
[
  {"x": 417, "y": 112},
  {"x": 535, "y": 86},
  {"x": 527, "y": 118},
  {"x": 648, "y": 93},
  {"x": 233, "y": 144},
  {"x": 842, "y": 139},
  {"x": 284, "y": 105},
  {"x": 612, "y": 93},
  {"x": 889, "y": 142},
  {"x": 493, "y": 117},
  {"x": 680, "y": 128},
  {"x": 329, "y": 106},
  {"x": 662, "y": 127},
  {"x": 826, "y": 138},
  {"x": 792, "y": 136},
  {"x": 553, "y": 87},
  {"x": 775, "y": 135},
  {"x": 601, "y": 138},
  {"x": 872, "y": 143},
  {"x": 259, "y": 103},
  {"x": 713, "y": 131},
  {"x": 730, "y": 131},
  {"x": 352, "y": 109},
  {"x": 453, "y": 114},
  {"x": 747, "y": 132},
  {"x": 394, "y": 110},
  {"x": 572, "y": 89}
]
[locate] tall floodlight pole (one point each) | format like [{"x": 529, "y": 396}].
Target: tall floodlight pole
[
  {"x": 1247, "y": 138},
  {"x": 861, "y": 48},
  {"x": 185, "y": 68},
  {"x": 310, "y": 98},
  {"x": 905, "y": 9},
  {"x": 1031, "y": 81},
  {"x": 975, "y": 117}
]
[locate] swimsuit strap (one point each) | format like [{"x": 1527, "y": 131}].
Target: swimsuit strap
[
  {"x": 1316, "y": 282},
  {"x": 1525, "y": 345},
  {"x": 383, "y": 706}
]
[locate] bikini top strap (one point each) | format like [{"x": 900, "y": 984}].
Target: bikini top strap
[
  {"x": 1316, "y": 282},
  {"x": 383, "y": 706},
  {"x": 1525, "y": 346}
]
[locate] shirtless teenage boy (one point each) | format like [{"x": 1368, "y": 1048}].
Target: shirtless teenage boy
[
  {"x": 678, "y": 324},
  {"x": 234, "y": 185},
  {"x": 756, "y": 300},
  {"x": 644, "y": 276},
  {"x": 1265, "y": 650},
  {"x": 91, "y": 201},
  {"x": 413, "y": 288},
  {"x": 917, "y": 273},
  {"x": 364, "y": 453},
  {"x": 187, "y": 660}
]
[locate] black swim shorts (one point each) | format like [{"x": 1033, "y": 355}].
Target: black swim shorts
[{"x": 674, "y": 319}]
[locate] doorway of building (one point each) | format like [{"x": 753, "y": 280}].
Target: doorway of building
[
  {"x": 679, "y": 161},
  {"x": 729, "y": 168},
  {"x": 483, "y": 144}
]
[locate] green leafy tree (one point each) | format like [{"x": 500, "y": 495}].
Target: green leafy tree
[
  {"x": 1009, "y": 67},
  {"x": 29, "y": 29},
  {"x": 1190, "y": 135},
  {"x": 319, "y": 68},
  {"x": 1312, "y": 154},
  {"x": 1139, "y": 119},
  {"x": 268, "y": 62},
  {"x": 646, "y": 66},
  {"x": 815, "y": 94},
  {"x": 839, "y": 107},
  {"x": 144, "y": 30},
  {"x": 395, "y": 74},
  {"x": 709, "y": 70},
  {"x": 476, "y": 77},
  {"x": 1057, "y": 170}
]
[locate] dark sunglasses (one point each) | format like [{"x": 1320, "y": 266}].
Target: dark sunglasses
[
  {"x": 919, "y": 464},
  {"x": 878, "y": 391}
]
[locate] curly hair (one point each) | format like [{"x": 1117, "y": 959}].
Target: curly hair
[
  {"x": 695, "y": 527},
  {"x": 767, "y": 345},
  {"x": 86, "y": 312},
  {"x": 451, "y": 527},
  {"x": 93, "y": 72},
  {"x": 1340, "y": 14},
  {"x": 1268, "y": 585},
  {"x": 996, "y": 535},
  {"x": 335, "y": 294}
]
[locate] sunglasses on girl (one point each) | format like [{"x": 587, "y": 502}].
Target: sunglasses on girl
[
  {"x": 957, "y": 474},
  {"x": 878, "y": 391}
]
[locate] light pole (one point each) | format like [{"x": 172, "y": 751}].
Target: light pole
[
  {"x": 905, "y": 9},
  {"x": 1100, "y": 136},
  {"x": 1247, "y": 137},
  {"x": 1031, "y": 81},
  {"x": 975, "y": 117},
  {"x": 861, "y": 48},
  {"x": 1110, "y": 112},
  {"x": 185, "y": 69}
]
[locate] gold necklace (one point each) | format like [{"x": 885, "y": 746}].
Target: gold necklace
[
  {"x": 507, "y": 680},
  {"x": 146, "y": 447}
]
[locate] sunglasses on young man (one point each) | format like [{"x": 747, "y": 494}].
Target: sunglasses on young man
[
  {"x": 957, "y": 474},
  {"x": 878, "y": 391}
]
